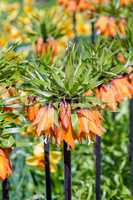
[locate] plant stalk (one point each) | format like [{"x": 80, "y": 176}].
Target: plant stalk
[
  {"x": 67, "y": 172},
  {"x": 47, "y": 170},
  {"x": 93, "y": 32},
  {"x": 5, "y": 189},
  {"x": 98, "y": 167},
  {"x": 74, "y": 20},
  {"x": 131, "y": 142}
]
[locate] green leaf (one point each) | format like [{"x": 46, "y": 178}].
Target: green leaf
[
  {"x": 7, "y": 142},
  {"x": 75, "y": 123}
]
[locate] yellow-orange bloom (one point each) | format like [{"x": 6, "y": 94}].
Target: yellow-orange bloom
[
  {"x": 77, "y": 5},
  {"x": 123, "y": 88},
  {"x": 89, "y": 123},
  {"x": 44, "y": 120},
  {"x": 115, "y": 92},
  {"x": 65, "y": 114},
  {"x": 107, "y": 94},
  {"x": 59, "y": 134},
  {"x": 5, "y": 166},
  {"x": 37, "y": 159},
  {"x": 121, "y": 58},
  {"x": 65, "y": 119},
  {"x": 44, "y": 48},
  {"x": 108, "y": 26},
  {"x": 69, "y": 137},
  {"x": 100, "y": 1}
]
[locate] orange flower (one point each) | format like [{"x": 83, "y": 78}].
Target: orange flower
[
  {"x": 125, "y": 2},
  {"x": 85, "y": 5},
  {"x": 121, "y": 58},
  {"x": 32, "y": 111},
  {"x": 121, "y": 27},
  {"x": 39, "y": 46},
  {"x": 42, "y": 48},
  {"x": 31, "y": 108},
  {"x": 84, "y": 131},
  {"x": 65, "y": 119},
  {"x": 115, "y": 92},
  {"x": 69, "y": 137},
  {"x": 77, "y": 5},
  {"x": 106, "y": 93},
  {"x": 44, "y": 120},
  {"x": 59, "y": 134},
  {"x": 101, "y": 1},
  {"x": 88, "y": 93},
  {"x": 108, "y": 26},
  {"x": 123, "y": 88},
  {"x": 5, "y": 166},
  {"x": 89, "y": 123},
  {"x": 65, "y": 115}
]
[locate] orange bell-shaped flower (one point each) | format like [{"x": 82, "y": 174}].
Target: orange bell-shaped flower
[
  {"x": 44, "y": 121},
  {"x": 107, "y": 94},
  {"x": 65, "y": 115},
  {"x": 89, "y": 123},
  {"x": 5, "y": 166},
  {"x": 123, "y": 88}
]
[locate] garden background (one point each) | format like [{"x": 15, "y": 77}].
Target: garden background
[{"x": 28, "y": 182}]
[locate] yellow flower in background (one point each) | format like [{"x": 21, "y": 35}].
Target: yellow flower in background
[
  {"x": 12, "y": 7},
  {"x": 9, "y": 7},
  {"x": 13, "y": 30},
  {"x": 83, "y": 28},
  {"x": 24, "y": 20},
  {"x": 2, "y": 41},
  {"x": 29, "y": 1},
  {"x": 37, "y": 159},
  {"x": 28, "y": 9},
  {"x": 15, "y": 33}
]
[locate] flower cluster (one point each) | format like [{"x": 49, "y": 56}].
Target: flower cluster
[
  {"x": 109, "y": 26},
  {"x": 77, "y": 5},
  {"x": 115, "y": 92},
  {"x": 62, "y": 127},
  {"x": 87, "y": 122}
]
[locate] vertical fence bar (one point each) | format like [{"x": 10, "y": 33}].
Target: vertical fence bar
[
  {"x": 74, "y": 22},
  {"x": 98, "y": 140},
  {"x": 93, "y": 32},
  {"x": 5, "y": 190},
  {"x": 67, "y": 172},
  {"x": 47, "y": 171},
  {"x": 131, "y": 143},
  {"x": 98, "y": 167}
]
